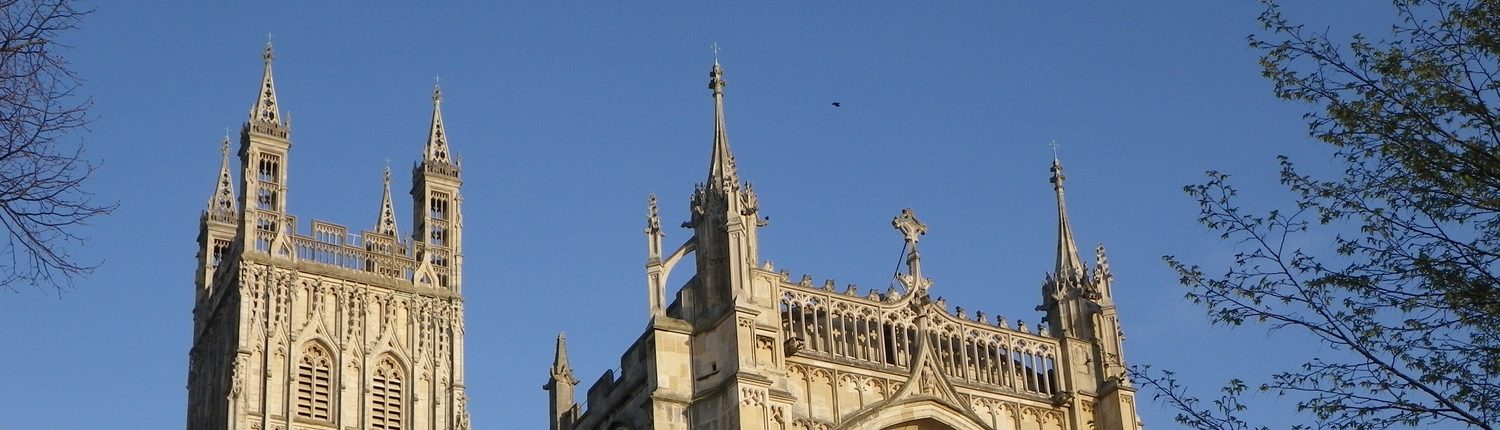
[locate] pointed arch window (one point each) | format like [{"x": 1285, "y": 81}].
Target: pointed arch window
[
  {"x": 315, "y": 383},
  {"x": 387, "y": 395}
]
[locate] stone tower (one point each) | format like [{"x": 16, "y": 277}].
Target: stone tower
[
  {"x": 326, "y": 330},
  {"x": 744, "y": 346}
]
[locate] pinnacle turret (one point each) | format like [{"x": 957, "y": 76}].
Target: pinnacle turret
[
  {"x": 265, "y": 111},
  {"x": 221, "y": 206},
  {"x": 724, "y": 219},
  {"x": 1069, "y": 265},
  {"x": 561, "y": 370},
  {"x": 437, "y": 137},
  {"x": 386, "y": 224},
  {"x": 721, "y": 170}
]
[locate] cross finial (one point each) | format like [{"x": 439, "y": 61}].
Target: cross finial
[
  {"x": 910, "y": 226},
  {"x": 224, "y": 146},
  {"x": 1054, "y": 149},
  {"x": 912, "y": 229},
  {"x": 715, "y": 47}
]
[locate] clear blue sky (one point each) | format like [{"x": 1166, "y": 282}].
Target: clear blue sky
[{"x": 568, "y": 113}]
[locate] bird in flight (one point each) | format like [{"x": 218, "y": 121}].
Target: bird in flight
[{"x": 837, "y": 104}]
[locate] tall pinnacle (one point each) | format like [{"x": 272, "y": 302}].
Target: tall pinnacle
[
  {"x": 437, "y": 138},
  {"x": 221, "y": 205},
  {"x": 721, "y": 171},
  {"x": 1069, "y": 265},
  {"x": 561, "y": 371},
  {"x": 265, "y": 109},
  {"x": 387, "y": 222}
]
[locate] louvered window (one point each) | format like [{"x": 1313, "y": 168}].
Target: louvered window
[
  {"x": 386, "y": 396},
  {"x": 315, "y": 383}
]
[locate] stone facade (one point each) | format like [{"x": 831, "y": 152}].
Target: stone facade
[
  {"x": 326, "y": 330},
  {"x": 744, "y": 346}
]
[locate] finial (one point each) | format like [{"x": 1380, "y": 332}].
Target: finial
[
  {"x": 1057, "y": 173},
  {"x": 715, "y": 47},
  {"x": 910, "y": 226},
  {"x": 653, "y": 218},
  {"x": 716, "y": 75},
  {"x": 387, "y": 173},
  {"x": 270, "y": 53},
  {"x": 1054, "y": 149},
  {"x": 437, "y": 89},
  {"x": 912, "y": 229}
]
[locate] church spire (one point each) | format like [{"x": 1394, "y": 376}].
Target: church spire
[
  {"x": 1069, "y": 265},
  {"x": 221, "y": 205},
  {"x": 265, "y": 110},
  {"x": 437, "y": 137},
  {"x": 387, "y": 222},
  {"x": 721, "y": 171}
]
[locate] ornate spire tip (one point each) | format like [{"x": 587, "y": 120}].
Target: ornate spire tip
[{"x": 270, "y": 53}]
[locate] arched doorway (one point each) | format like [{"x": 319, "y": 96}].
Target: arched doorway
[
  {"x": 914, "y": 414},
  {"x": 921, "y": 424}
]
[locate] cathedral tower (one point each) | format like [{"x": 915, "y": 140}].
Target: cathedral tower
[
  {"x": 743, "y": 345},
  {"x": 326, "y": 330}
]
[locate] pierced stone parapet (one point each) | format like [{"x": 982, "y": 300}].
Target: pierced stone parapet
[{"x": 882, "y": 333}]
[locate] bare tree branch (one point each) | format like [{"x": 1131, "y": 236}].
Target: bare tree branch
[
  {"x": 43, "y": 205},
  {"x": 1409, "y": 298}
]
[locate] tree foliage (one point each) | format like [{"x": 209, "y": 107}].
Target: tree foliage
[
  {"x": 1407, "y": 294},
  {"x": 42, "y": 203}
]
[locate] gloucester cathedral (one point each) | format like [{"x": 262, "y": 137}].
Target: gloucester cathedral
[
  {"x": 743, "y": 346},
  {"x": 326, "y": 330},
  {"x": 334, "y": 330}
]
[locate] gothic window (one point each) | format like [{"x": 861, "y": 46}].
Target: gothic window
[
  {"x": 438, "y": 206},
  {"x": 386, "y": 398},
  {"x": 269, "y": 169},
  {"x": 268, "y": 173},
  {"x": 315, "y": 383},
  {"x": 439, "y": 235},
  {"x": 220, "y": 249},
  {"x": 265, "y": 197}
]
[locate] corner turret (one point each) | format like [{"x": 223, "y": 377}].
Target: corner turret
[
  {"x": 437, "y": 208},
  {"x": 724, "y": 219},
  {"x": 264, "y": 148}
]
